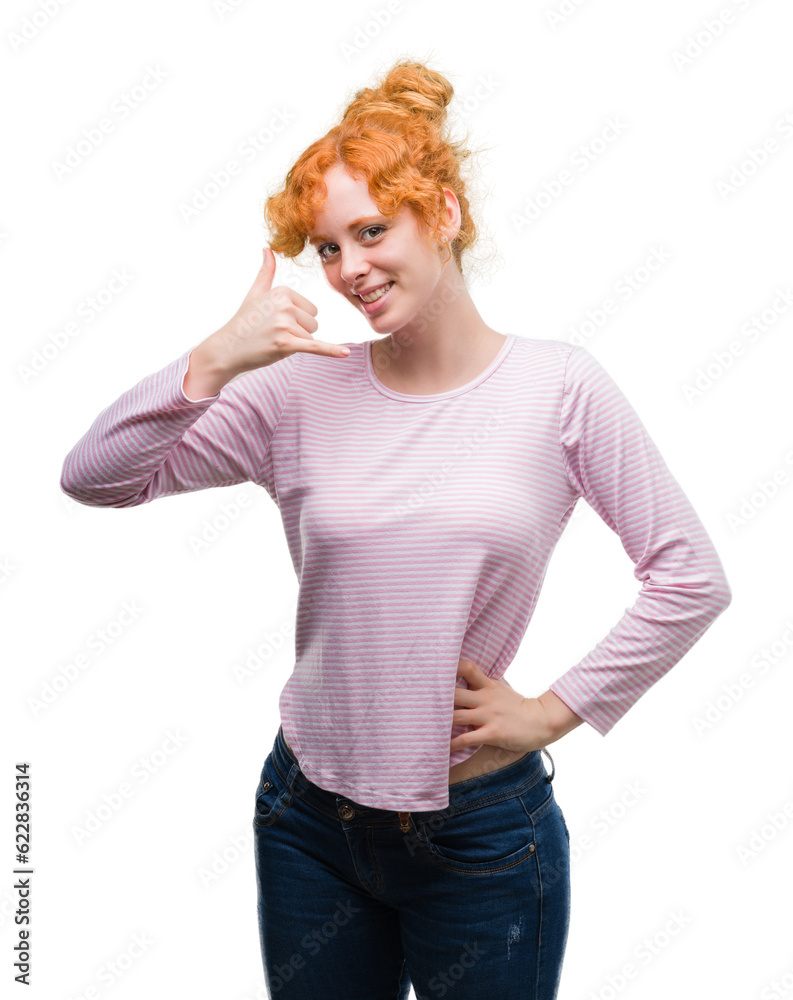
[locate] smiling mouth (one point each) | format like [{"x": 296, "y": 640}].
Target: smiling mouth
[{"x": 376, "y": 294}]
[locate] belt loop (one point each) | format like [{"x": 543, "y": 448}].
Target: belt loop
[
  {"x": 549, "y": 777},
  {"x": 291, "y": 778}
]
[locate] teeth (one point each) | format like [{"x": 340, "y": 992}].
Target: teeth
[{"x": 376, "y": 294}]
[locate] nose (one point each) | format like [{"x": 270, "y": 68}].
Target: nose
[{"x": 354, "y": 264}]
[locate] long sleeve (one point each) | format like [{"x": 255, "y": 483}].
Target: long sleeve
[
  {"x": 612, "y": 462},
  {"x": 154, "y": 440}
]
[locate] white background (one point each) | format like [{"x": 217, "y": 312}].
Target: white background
[{"x": 536, "y": 90}]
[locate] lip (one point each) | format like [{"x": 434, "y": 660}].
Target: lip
[
  {"x": 372, "y": 307},
  {"x": 368, "y": 291}
]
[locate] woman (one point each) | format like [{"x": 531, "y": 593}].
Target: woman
[{"x": 406, "y": 826}]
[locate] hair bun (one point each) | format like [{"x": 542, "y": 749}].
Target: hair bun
[{"x": 408, "y": 88}]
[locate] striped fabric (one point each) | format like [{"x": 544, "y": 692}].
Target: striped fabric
[{"x": 420, "y": 529}]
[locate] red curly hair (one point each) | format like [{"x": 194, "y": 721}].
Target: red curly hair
[{"x": 393, "y": 136}]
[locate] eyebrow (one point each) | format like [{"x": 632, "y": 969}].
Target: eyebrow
[{"x": 352, "y": 225}]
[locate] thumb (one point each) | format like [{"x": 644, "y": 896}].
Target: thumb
[{"x": 264, "y": 279}]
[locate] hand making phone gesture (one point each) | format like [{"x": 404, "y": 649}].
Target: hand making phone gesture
[{"x": 271, "y": 324}]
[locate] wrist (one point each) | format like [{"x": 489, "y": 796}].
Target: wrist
[
  {"x": 560, "y": 718},
  {"x": 206, "y": 374}
]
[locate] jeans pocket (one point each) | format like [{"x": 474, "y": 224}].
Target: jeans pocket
[
  {"x": 273, "y": 795},
  {"x": 480, "y": 838}
]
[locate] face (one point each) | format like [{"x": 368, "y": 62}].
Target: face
[{"x": 362, "y": 250}]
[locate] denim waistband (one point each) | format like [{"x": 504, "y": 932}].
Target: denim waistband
[{"x": 504, "y": 782}]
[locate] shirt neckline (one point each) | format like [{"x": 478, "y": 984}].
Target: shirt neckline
[{"x": 409, "y": 397}]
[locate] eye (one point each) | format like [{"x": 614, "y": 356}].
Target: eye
[{"x": 321, "y": 250}]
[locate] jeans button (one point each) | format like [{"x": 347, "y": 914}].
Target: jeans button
[{"x": 346, "y": 811}]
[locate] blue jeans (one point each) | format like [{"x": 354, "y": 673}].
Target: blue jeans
[{"x": 471, "y": 902}]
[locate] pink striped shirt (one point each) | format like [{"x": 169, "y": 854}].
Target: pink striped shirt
[{"x": 420, "y": 529}]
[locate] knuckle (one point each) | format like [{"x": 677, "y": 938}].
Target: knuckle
[{"x": 281, "y": 341}]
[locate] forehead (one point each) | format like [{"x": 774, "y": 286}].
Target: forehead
[
  {"x": 342, "y": 180},
  {"x": 347, "y": 203}
]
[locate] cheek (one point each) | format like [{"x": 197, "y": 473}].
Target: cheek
[
  {"x": 337, "y": 284},
  {"x": 424, "y": 281}
]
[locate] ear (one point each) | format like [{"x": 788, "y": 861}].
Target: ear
[{"x": 454, "y": 215}]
